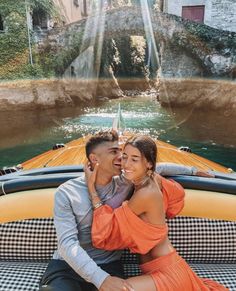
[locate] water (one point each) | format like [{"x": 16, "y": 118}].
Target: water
[{"x": 26, "y": 134}]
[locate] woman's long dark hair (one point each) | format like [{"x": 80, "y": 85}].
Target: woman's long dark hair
[{"x": 146, "y": 146}]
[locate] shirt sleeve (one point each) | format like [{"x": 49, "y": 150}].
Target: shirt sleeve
[
  {"x": 121, "y": 228},
  {"x": 173, "y": 196},
  {"x": 169, "y": 169},
  {"x": 68, "y": 241}
]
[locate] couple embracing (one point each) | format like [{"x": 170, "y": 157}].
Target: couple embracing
[{"x": 109, "y": 210}]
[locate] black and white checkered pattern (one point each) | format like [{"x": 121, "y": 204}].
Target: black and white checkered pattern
[
  {"x": 224, "y": 274},
  {"x": 27, "y": 240},
  {"x": 26, "y": 246},
  {"x": 201, "y": 240},
  {"x": 198, "y": 240},
  {"x": 21, "y": 276}
]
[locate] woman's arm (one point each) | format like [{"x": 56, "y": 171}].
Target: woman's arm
[
  {"x": 91, "y": 176},
  {"x": 170, "y": 169}
]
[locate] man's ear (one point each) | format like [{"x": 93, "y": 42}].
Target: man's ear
[{"x": 93, "y": 158}]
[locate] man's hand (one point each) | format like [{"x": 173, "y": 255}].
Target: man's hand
[{"x": 115, "y": 284}]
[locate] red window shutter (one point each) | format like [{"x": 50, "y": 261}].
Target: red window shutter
[{"x": 194, "y": 13}]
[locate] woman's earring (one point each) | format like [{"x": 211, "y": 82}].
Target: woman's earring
[{"x": 149, "y": 172}]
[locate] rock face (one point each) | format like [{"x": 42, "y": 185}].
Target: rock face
[
  {"x": 198, "y": 93},
  {"x": 34, "y": 94}
]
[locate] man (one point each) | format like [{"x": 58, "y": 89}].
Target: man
[{"x": 76, "y": 264}]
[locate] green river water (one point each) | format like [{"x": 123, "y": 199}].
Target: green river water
[{"x": 210, "y": 134}]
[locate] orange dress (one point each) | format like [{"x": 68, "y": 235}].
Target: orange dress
[{"x": 122, "y": 228}]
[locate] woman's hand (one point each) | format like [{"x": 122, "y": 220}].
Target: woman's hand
[{"x": 91, "y": 176}]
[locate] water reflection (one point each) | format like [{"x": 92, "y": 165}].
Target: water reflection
[
  {"x": 26, "y": 134},
  {"x": 30, "y": 127},
  {"x": 212, "y": 127}
]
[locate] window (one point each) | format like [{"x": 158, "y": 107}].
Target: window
[
  {"x": 40, "y": 19},
  {"x": 1, "y": 23},
  {"x": 194, "y": 13},
  {"x": 76, "y": 3}
]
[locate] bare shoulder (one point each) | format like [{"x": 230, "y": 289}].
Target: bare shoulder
[
  {"x": 151, "y": 191},
  {"x": 143, "y": 198}
]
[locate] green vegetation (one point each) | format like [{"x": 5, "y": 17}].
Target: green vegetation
[{"x": 14, "y": 47}]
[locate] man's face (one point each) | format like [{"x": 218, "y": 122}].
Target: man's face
[{"x": 108, "y": 155}]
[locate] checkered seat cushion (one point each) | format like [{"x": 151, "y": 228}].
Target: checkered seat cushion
[
  {"x": 21, "y": 276},
  {"x": 26, "y": 247},
  {"x": 25, "y": 276}
]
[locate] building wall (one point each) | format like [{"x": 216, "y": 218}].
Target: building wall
[
  {"x": 70, "y": 11},
  {"x": 223, "y": 14},
  {"x": 219, "y": 14}
]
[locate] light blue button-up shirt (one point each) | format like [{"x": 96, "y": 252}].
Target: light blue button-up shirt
[{"x": 73, "y": 219}]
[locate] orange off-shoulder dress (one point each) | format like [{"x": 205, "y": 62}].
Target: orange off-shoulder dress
[{"x": 122, "y": 228}]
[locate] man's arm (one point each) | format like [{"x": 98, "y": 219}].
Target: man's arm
[
  {"x": 68, "y": 243},
  {"x": 69, "y": 248}
]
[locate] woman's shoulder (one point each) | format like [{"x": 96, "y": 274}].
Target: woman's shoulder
[
  {"x": 145, "y": 199},
  {"x": 148, "y": 193}
]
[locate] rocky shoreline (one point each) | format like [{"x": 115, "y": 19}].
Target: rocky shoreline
[
  {"x": 204, "y": 94},
  {"x": 52, "y": 93}
]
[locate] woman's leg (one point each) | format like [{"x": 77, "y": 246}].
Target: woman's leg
[{"x": 143, "y": 282}]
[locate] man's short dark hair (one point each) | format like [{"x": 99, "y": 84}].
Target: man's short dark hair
[{"x": 100, "y": 138}]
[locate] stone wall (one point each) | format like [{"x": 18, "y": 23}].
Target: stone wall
[
  {"x": 198, "y": 93},
  {"x": 223, "y": 14},
  {"x": 195, "y": 93},
  {"x": 175, "y": 7},
  {"x": 24, "y": 95},
  {"x": 219, "y": 14},
  {"x": 178, "y": 63}
]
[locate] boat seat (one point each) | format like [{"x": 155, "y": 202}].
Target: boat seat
[
  {"x": 26, "y": 247},
  {"x": 19, "y": 276}
]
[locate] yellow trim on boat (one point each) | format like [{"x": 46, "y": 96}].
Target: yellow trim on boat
[
  {"x": 207, "y": 204},
  {"x": 39, "y": 204},
  {"x": 26, "y": 205}
]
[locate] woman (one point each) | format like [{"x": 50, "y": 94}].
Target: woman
[{"x": 139, "y": 224}]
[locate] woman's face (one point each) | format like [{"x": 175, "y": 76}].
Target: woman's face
[{"x": 134, "y": 164}]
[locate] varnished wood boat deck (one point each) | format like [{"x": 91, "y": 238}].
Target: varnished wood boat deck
[{"x": 74, "y": 154}]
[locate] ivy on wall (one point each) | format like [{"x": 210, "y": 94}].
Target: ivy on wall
[{"x": 14, "y": 46}]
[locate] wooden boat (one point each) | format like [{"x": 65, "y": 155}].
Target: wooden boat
[
  {"x": 73, "y": 153},
  {"x": 204, "y": 233}
]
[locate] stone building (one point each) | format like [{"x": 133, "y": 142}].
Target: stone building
[
  {"x": 68, "y": 10},
  {"x": 219, "y": 14},
  {"x": 72, "y": 10}
]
